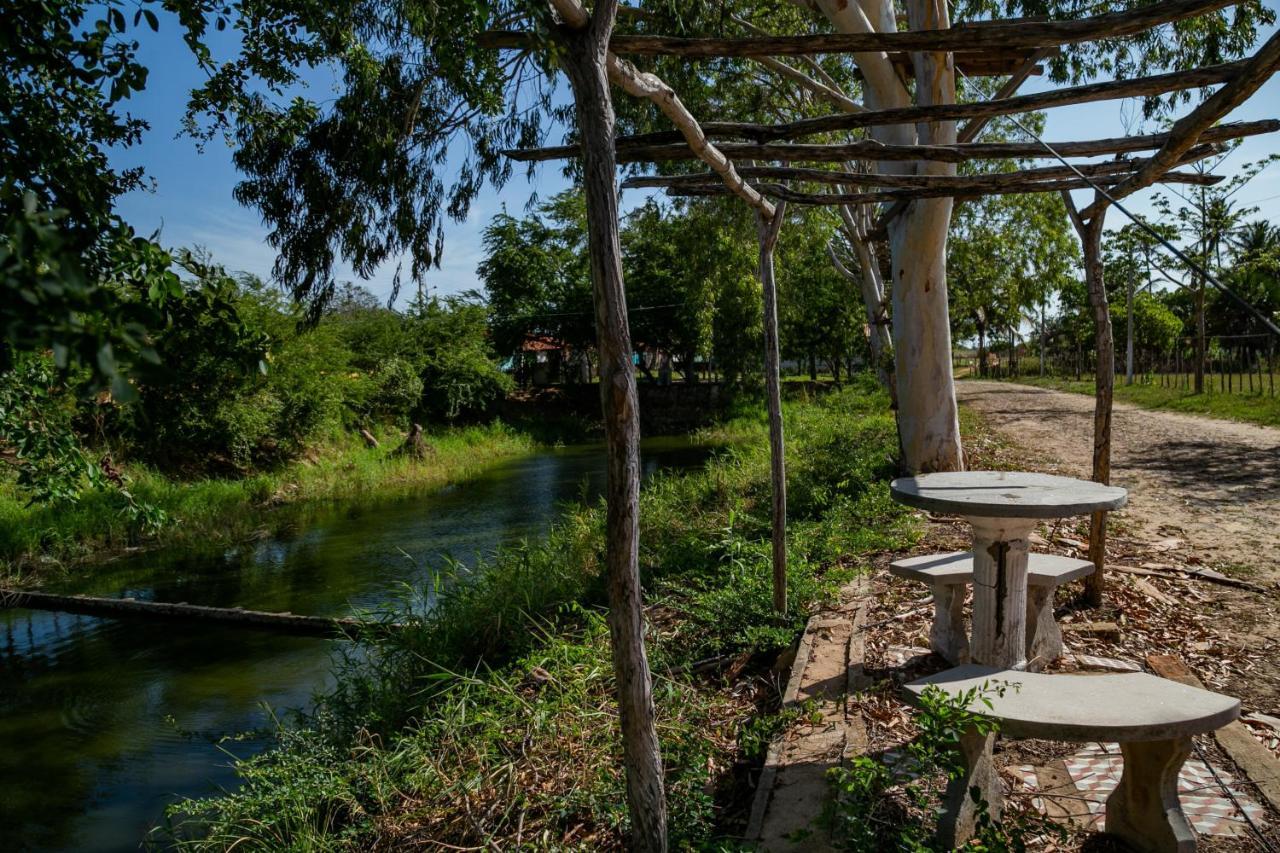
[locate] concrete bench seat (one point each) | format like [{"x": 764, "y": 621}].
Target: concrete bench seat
[
  {"x": 947, "y": 574},
  {"x": 1153, "y": 719}
]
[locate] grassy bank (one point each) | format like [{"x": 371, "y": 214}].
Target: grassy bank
[
  {"x": 41, "y": 540},
  {"x": 491, "y": 720},
  {"x": 1250, "y": 408}
]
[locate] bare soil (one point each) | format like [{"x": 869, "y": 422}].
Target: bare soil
[
  {"x": 1202, "y": 493},
  {"x": 1214, "y": 484}
]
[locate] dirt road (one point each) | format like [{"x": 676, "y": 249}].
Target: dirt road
[{"x": 1214, "y": 485}]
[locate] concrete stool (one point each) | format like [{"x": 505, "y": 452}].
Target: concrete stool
[
  {"x": 948, "y": 574},
  {"x": 1153, "y": 719}
]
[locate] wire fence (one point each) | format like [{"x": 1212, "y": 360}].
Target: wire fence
[{"x": 1232, "y": 364}]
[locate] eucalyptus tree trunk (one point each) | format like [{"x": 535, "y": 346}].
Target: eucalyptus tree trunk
[
  {"x": 768, "y": 231},
  {"x": 928, "y": 424},
  {"x": 584, "y": 63}
]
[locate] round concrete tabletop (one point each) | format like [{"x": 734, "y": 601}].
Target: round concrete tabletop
[{"x": 1006, "y": 494}]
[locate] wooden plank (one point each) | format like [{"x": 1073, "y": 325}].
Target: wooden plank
[
  {"x": 979, "y": 35},
  {"x": 1063, "y": 801},
  {"x": 645, "y": 151},
  {"x": 1255, "y": 760}
]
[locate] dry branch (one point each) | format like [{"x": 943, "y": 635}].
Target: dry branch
[
  {"x": 868, "y": 179},
  {"x": 959, "y": 38},
  {"x": 652, "y": 88},
  {"x": 1137, "y": 87},
  {"x": 830, "y": 199},
  {"x": 281, "y": 623},
  {"x": 869, "y": 149},
  {"x": 969, "y": 132}
]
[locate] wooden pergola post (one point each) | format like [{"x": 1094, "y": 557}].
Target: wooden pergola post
[
  {"x": 1090, "y": 233},
  {"x": 768, "y": 230},
  {"x": 587, "y": 40}
]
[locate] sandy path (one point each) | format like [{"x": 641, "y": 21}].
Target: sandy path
[{"x": 1214, "y": 483}]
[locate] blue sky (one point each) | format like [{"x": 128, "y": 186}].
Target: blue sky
[{"x": 191, "y": 203}]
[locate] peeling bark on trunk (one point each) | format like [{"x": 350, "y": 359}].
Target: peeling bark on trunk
[
  {"x": 928, "y": 421},
  {"x": 928, "y": 424},
  {"x": 584, "y": 64}
]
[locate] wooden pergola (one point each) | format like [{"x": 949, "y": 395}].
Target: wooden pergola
[{"x": 866, "y": 185}]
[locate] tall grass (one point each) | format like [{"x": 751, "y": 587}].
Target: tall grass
[
  {"x": 225, "y": 510},
  {"x": 491, "y": 719}
]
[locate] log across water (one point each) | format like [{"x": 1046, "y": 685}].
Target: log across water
[{"x": 132, "y": 608}]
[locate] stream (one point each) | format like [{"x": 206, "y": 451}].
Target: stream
[{"x": 104, "y": 722}]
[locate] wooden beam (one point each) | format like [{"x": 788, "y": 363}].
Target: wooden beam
[
  {"x": 991, "y": 62},
  {"x": 975, "y": 36},
  {"x": 1156, "y": 84},
  {"x": 968, "y": 133},
  {"x": 130, "y": 608},
  {"x": 831, "y": 199},
  {"x": 869, "y": 149},
  {"x": 975, "y": 64},
  {"x": 869, "y": 179},
  {"x": 1196, "y": 124}
]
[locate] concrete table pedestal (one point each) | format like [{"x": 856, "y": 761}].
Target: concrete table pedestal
[{"x": 1000, "y": 551}]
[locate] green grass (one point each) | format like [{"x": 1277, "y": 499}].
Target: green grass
[
  {"x": 41, "y": 540},
  {"x": 1250, "y": 408},
  {"x": 491, "y": 720}
]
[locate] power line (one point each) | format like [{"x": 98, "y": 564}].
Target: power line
[{"x": 1140, "y": 222}]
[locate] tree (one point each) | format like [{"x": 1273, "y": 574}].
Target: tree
[
  {"x": 1208, "y": 217},
  {"x": 75, "y": 277},
  {"x": 1006, "y": 256},
  {"x": 536, "y": 278},
  {"x": 821, "y": 317},
  {"x": 918, "y": 234},
  {"x": 1128, "y": 257}
]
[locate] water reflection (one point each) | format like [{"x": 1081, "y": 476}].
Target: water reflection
[{"x": 103, "y": 722}]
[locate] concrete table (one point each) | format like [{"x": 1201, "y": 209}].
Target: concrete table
[{"x": 1003, "y": 508}]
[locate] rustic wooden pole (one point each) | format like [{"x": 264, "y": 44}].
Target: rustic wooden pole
[
  {"x": 961, "y": 190},
  {"x": 871, "y": 149},
  {"x": 584, "y": 62},
  {"x": 1090, "y": 232},
  {"x": 768, "y": 230},
  {"x": 1020, "y": 179},
  {"x": 982, "y": 35},
  {"x": 161, "y": 611}
]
